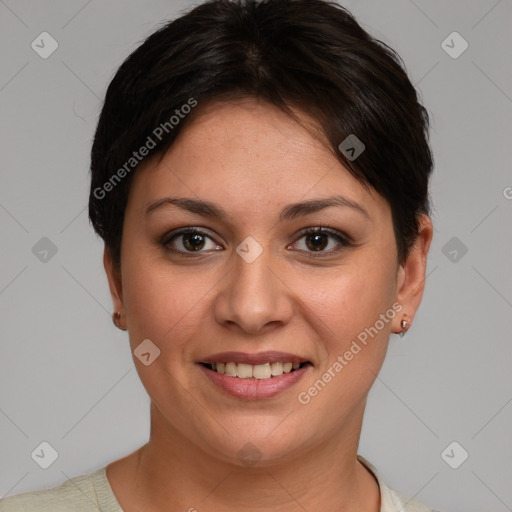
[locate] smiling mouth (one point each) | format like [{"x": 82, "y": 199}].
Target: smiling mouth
[{"x": 258, "y": 371}]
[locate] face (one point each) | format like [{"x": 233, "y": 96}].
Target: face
[{"x": 254, "y": 275}]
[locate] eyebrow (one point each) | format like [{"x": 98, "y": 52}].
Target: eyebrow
[{"x": 290, "y": 212}]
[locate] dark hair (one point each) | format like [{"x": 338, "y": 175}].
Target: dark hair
[{"x": 310, "y": 55}]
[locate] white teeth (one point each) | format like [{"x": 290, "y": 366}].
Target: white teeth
[
  {"x": 261, "y": 371},
  {"x": 244, "y": 371},
  {"x": 230, "y": 369},
  {"x": 258, "y": 371},
  {"x": 276, "y": 369}
]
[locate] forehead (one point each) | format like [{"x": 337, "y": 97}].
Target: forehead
[{"x": 249, "y": 150}]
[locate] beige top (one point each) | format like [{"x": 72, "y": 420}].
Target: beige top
[{"x": 90, "y": 493}]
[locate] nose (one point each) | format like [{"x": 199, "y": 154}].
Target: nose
[{"x": 254, "y": 297}]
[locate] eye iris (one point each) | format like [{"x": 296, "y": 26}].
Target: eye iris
[
  {"x": 193, "y": 241},
  {"x": 318, "y": 243}
]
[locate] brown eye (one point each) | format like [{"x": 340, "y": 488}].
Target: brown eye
[
  {"x": 193, "y": 242},
  {"x": 189, "y": 240},
  {"x": 318, "y": 239}
]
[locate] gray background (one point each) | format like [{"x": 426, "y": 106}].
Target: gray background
[{"x": 66, "y": 373}]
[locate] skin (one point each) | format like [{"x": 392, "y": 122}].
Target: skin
[{"x": 252, "y": 160}]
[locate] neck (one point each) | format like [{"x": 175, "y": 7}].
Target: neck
[{"x": 172, "y": 473}]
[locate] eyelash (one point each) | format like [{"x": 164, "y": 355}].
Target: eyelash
[{"x": 344, "y": 241}]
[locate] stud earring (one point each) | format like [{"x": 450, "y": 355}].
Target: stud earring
[{"x": 404, "y": 324}]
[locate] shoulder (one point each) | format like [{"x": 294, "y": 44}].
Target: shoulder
[
  {"x": 391, "y": 500},
  {"x": 84, "y": 493},
  {"x": 398, "y": 501}
]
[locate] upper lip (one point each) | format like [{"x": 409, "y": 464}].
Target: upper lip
[{"x": 254, "y": 358}]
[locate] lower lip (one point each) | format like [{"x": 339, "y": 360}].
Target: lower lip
[{"x": 255, "y": 389}]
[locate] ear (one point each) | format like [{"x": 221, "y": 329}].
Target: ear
[
  {"x": 115, "y": 285},
  {"x": 411, "y": 276}
]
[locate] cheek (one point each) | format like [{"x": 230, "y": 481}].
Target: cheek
[
  {"x": 351, "y": 304},
  {"x": 352, "y": 297},
  {"x": 162, "y": 304}
]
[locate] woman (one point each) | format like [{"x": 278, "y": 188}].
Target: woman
[{"x": 260, "y": 180}]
